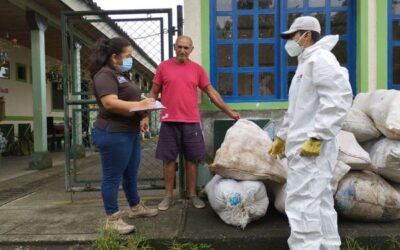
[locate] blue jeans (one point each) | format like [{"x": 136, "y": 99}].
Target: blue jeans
[{"x": 120, "y": 159}]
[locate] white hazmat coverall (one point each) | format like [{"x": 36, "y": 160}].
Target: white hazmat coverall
[{"x": 320, "y": 96}]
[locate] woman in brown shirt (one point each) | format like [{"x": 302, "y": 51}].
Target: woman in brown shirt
[{"x": 116, "y": 131}]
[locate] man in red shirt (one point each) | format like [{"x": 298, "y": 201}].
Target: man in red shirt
[{"x": 177, "y": 79}]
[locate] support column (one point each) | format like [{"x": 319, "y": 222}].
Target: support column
[
  {"x": 382, "y": 43},
  {"x": 362, "y": 46},
  {"x": 78, "y": 149},
  {"x": 41, "y": 158},
  {"x": 372, "y": 45}
]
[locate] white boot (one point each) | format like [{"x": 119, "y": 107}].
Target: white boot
[{"x": 116, "y": 223}]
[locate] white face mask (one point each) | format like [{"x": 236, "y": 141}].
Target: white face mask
[{"x": 293, "y": 48}]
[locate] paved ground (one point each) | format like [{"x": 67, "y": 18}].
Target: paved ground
[
  {"x": 40, "y": 214},
  {"x": 13, "y": 167},
  {"x": 150, "y": 172}
]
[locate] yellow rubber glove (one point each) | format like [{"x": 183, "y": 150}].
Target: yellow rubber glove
[
  {"x": 277, "y": 148},
  {"x": 310, "y": 148}
]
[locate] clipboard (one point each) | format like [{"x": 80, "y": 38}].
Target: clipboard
[{"x": 157, "y": 105}]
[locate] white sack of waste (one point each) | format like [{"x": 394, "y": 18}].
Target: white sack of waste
[
  {"x": 237, "y": 202},
  {"x": 279, "y": 190},
  {"x": 341, "y": 169},
  {"x": 382, "y": 106},
  {"x": 244, "y": 155},
  {"x": 360, "y": 125},
  {"x": 280, "y": 197},
  {"x": 351, "y": 153},
  {"x": 365, "y": 196},
  {"x": 385, "y": 158}
]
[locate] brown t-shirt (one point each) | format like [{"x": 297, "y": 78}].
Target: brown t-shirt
[{"x": 109, "y": 82}]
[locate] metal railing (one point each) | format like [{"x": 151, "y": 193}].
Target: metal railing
[{"x": 151, "y": 40}]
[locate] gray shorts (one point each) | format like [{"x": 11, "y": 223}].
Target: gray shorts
[{"x": 180, "y": 138}]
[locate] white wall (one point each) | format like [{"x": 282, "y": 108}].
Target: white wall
[
  {"x": 192, "y": 26},
  {"x": 19, "y": 99}
]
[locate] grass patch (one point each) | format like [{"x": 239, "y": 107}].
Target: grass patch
[
  {"x": 394, "y": 242},
  {"x": 351, "y": 243},
  {"x": 189, "y": 246},
  {"x": 108, "y": 239}
]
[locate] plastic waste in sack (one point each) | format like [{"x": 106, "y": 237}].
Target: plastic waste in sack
[
  {"x": 235, "y": 199},
  {"x": 270, "y": 129}
]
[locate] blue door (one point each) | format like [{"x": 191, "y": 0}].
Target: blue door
[
  {"x": 248, "y": 60},
  {"x": 394, "y": 44}
]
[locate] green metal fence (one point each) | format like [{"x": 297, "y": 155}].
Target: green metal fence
[{"x": 151, "y": 38}]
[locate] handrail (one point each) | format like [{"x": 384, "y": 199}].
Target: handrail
[{"x": 77, "y": 102}]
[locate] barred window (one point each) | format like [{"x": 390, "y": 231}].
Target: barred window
[{"x": 248, "y": 60}]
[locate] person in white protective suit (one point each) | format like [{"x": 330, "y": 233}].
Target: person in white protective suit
[{"x": 319, "y": 98}]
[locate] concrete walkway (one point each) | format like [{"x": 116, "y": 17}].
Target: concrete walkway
[
  {"x": 42, "y": 216},
  {"x": 15, "y": 166}
]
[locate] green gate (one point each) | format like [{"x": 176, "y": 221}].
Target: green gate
[{"x": 151, "y": 39}]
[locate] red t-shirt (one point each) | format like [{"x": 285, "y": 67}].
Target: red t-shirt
[{"x": 179, "y": 82}]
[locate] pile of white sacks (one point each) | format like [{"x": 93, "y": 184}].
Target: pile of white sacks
[
  {"x": 237, "y": 192},
  {"x": 370, "y": 145},
  {"x": 366, "y": 175}
]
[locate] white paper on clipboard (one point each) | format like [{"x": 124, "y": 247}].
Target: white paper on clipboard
[{"x": 157, "y": 105}]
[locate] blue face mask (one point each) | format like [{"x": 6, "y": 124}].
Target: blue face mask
[{"x": 127, "y": 64}]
